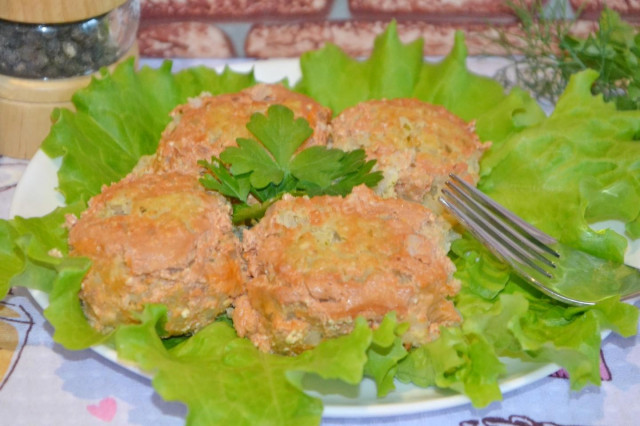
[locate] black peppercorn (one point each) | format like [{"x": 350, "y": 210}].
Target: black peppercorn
[{"x": 56, "y": 50}]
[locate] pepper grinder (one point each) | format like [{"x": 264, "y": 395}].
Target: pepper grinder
[{"x": 48, "y": 50}]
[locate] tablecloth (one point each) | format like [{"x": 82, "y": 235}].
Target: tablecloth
[{"x": 41, "y": 383}]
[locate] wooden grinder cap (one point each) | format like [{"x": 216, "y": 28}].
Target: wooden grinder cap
[{"x": 55, "y": 11}]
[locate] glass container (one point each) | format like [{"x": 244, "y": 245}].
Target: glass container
[
  {"x": 48, "y": 50},
  {"x": 68, "y": 49}
]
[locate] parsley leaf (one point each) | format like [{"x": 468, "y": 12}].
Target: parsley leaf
[
  {"x": 251, "y": 157},
  {"x": 353, "y": 170},
  {"x": 280, "y": 134},
  {"x": 225, "y": 183},
  {"x": 272, "y": 165}
]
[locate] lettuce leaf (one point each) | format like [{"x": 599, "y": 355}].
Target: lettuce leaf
[
  {"x": 384, "y": 354},
  {"x": 522, "y": 323},
  {"x": 579, "y": 166},
  {"x": 464, "y": 362},
  {"x": 576, "y": 166},
  {"x": 515, "y": 321},
  {"x": 119, "y": 117},
  {"x": 224, "y": 379},
  {"x": 71, "y": 328},
  {"x": 338, "y": 81},
  {"x": 398, "y": 70},
  {"x": 32, "y": 248}
]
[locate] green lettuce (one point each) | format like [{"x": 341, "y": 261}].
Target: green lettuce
[
  {"x": 384, "y": 354},
  {"x": 71, "y": 328},
  {"x": 120, "y": 117},
  {"x": 575, "y": 167},
  {"x": 397, "y": 70},
  {"x": 503, "y": 316},
  {"x": 464, "y": 362},
  {"x": 31, "y": 249},
  {"x": 224, "y": 379}
]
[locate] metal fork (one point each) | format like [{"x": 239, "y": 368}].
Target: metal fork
[{"x": 553, "y": 268}]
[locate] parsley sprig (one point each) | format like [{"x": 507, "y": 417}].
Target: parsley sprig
[{"x": 270, "y": 166}]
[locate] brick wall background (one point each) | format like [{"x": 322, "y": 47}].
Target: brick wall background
[{"x": 281, "y": 28}]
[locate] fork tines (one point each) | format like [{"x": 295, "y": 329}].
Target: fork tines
[{"x": 509, "y": 237}]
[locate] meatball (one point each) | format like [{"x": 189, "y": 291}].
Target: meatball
[
  {"x": 316, "y": 264},
  {"x": 416, "y": 145},
  {"x": 158, "y": 239},
  {"x": 206, "y": 125}
]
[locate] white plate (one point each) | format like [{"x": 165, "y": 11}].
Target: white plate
[{"x": 36, "y": 195}]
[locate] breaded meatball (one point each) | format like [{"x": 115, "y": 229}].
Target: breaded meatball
[
  {"x": 316, "y": 264},
  {"x": 416, "y": 145},
  {"x": 206, "y": 125},
  {"x": 158, "y": 239}
]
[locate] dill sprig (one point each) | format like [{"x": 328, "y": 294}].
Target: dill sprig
[{"x": 547, "y": 48}]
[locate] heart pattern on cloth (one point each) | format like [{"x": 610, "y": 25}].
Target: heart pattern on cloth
[{"x": 104, "y": 410}]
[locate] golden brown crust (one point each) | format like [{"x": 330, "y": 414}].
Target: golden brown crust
[
  {"x": 317, "y": 264},
  {"x": 416, "y": 146},
  {"x": 310, "y": 267},
  {"x": 158, "y": 239},
  {"x": 208, "y": 124}
]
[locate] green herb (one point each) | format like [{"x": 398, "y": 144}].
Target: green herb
[
  {"x": 545, "y": 51},
  {"x": 614, "y": 51},
  {"x": 269, "y": 167}
]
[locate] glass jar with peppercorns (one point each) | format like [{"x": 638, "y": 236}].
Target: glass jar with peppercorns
[{"x": 48, "y": 50}]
